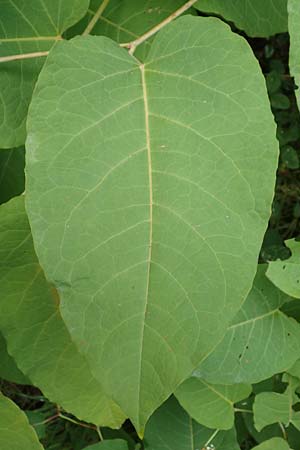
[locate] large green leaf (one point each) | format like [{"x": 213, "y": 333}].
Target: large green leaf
[
  {"x": 36, "y": 335},
  {"x": 286, "y": 274},
  {"x": 212, "y": 405},
  {"x": 12, "y": 179},
  {"x": 15, "y": 431},
  {"x": 149, "y": 190},
  {"x": 294, "y": 30},
  {"x": 8, "y": 368},
  {"x": 126, "y": 20},
  {"x": 273, "y": 444},
  {"x": 26, "y": 27},
  {"x": 260, "y": 342},
  {"x": 171, "y": 427},
  {"x": 256, "y": 17}
]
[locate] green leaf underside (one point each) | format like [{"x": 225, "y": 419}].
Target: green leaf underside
[
  {"x": 12, "y": 178},
  {"x": 273, "y": 444},
  {"x": 8, "y": 368},
  {"x": 255, "y": 17},
  {"x": 286, "y": 274},
  {"x": 150, "y": 199},
  {"x": 27, "y": 27},
  {"x": 15, "y": 431},
  {"x": 211, "y": 405},
  {"x": 270, "y": 407},
  {"x": 114, "y": 444},
  {"x": 294, "y": 54},
  {"x": 260, "y": 342},
  {"x": 171, "y": 428},
  {"x": 126, "y": 20},
  {"x": 36, "y": 336}
]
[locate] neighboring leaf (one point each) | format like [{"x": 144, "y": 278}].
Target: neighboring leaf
[
  {"x": 260, "y": 342},
  {"x": 36, "y": 335},
  {"x": 8, "y": 368},
  {"x": 261, "y": 18},
  {"x": 115, "y": 444},
  {"x": 270, "y": 431},
  {"x": 290, "y": 158},
  {"x": 211, "y": 405},
  {"x": 15, "y": 431},
  {"x": 170, "y": 427},
  {"x": 26, "y": 27},
  {"x": 295, "y": 369},
  {"x": 149, "y": 190},
  {"x": 273, "y": 444},
  {"x": 294, "y": 31},
  {"x": 38, "y": 420},
  {"x": 280, "y": 101},
  {"x": 126, "y": 20},
  {"x": 286, "y": 274},
  {"x": 296, "y": 420},
  {"x": 12, "y": 178},
  {"x": 271, "y": 407}
]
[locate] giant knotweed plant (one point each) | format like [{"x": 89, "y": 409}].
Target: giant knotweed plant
[{"x": 129, "y": 279}]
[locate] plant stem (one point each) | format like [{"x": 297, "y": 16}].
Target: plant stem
[
  {"x": 211, "y": 438},
  {"x": 100, "y": 434},
  {"x": 134, "y": 44},
  {"x": 81, "y": 424},
  {"x": 22, "y": 56},
  {"x": 283, "y": 430},
  {"x": 248, "y": 411},
  {"x": 130, "y": 45},
  {"x": 96, "y": 17}
]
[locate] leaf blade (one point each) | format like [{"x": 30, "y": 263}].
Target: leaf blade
[{"x": 116, "y": 193}]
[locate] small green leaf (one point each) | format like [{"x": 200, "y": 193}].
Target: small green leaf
[
  {"x": 260, "y": 342},
  {"x": 15, "y": 431},
  {"x": 273, "y": 444},
  {"x": 114, "y": 444},
  {"x": 294, "y": 61},
  {"x": 12, "y": 178},
  {"x": 144, "y": 204},
  {"x": 38, "y": 420},
  {"x": 211, "y": 405},
  {"x": 295, "y": 369},
  {"x": 273, "y": 80},
  {"x": 286, "y": 274},
  {"x": 8, "y": 368},
  {"x": 28, "y": 27},
  {"x": 280, "y": 101},
  {"x": 289, "y": 157},
  {"x": 36, "y": 335},
  {"x": 170, "y": 427},
  {"x": 260, "y": 18},
  {"x": 271, "y": 407}
]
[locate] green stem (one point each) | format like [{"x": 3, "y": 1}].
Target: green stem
[
  {"x": 211, "y": 438},
  {"x": 134, "y": 44},
  {"x": 248, "y": 411},
  {"x": 22, "y": 56},
  {"x": 98, "y": 429},
  {"x": 96, "y": 17},
  {"x": 85, "y": 425}
]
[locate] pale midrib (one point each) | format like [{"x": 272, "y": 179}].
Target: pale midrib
[
  {"x": 146, "y": 109},
  {"x": 32, "y": 39}
]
